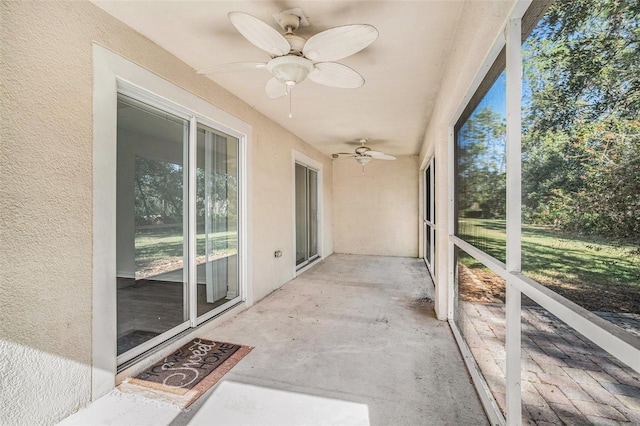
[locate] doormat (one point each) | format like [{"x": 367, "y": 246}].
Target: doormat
[{"x": 187, "y": 373}]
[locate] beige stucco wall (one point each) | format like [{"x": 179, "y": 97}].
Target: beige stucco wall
[
  {"x": 46, "y": 196},
  {"x": 376, "y": 212},
  {"x": 481, "y": 23}
]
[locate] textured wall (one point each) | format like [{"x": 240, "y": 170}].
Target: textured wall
[
  {"x": 46, "y": 195},
  {"x": 376, "y": 212}
]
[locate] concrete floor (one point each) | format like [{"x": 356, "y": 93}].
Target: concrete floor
[{"x": 352, "y": 341}]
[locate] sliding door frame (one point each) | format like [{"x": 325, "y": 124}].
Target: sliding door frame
[
  {"x": 310, "y": 163},
  {"x": 111, "y": 74},
  {"x": 428, "y": 217}
]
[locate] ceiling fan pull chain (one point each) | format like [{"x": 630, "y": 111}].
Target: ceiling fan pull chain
[
  {"x": 288, "y": 87},
  {"x": 290, "y": 96}
]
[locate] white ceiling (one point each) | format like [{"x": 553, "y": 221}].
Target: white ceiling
[{"x": 402, "y": 68}]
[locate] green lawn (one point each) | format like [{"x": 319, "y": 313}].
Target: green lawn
[
  {"x": 597, "y": 274},
  {"x": 166, "y": 244}
]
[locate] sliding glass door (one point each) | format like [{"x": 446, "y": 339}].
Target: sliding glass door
[
  {"x": 306, "y": 215},
  {"x": 216, "y": 219},
  {"x": 429, "y": 218},
  {"x": 176, "y": 224}
]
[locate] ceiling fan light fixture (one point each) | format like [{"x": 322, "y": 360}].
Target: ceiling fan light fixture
[
  {"x": 363, "y": 160},
  {"x": 290, "y": 68}
]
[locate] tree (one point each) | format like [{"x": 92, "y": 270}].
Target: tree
[
  {"x": 158, "y": 187},
  {"x": 581, "y": 144},
  {"x": 481, "y": 165}
]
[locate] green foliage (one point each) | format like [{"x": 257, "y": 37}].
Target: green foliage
[
  {"x": 481, "y": 165},
  {"x": 158, "y": 192},
  {"x": 581, "y": 137},
  {"x": 222, "y": 203}
]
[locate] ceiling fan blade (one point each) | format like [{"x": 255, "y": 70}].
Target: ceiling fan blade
[
  {"x": 276, "y": 89},
  {"x": 339, "y": 42},
  {"x": 260, "y": 34},
  {"x": 336, "y": 75},
  {"x": 374, "y": 153},
  {"x": 383, "y": 157},
  {"x": 234, "y": 66}
]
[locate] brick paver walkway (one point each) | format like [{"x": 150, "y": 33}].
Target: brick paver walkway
[{"x": 566, "y": 379}]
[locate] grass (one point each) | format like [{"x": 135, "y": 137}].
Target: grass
[
  {"x": 597, "y": 274},
  {"x": 168, "y": 243}
]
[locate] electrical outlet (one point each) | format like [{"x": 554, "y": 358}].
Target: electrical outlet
[{"x": 277, "y": 253}]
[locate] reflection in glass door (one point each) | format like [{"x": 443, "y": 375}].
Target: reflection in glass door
[
  {"x": 150, "y": 238},
  {"x": 306, "y": 215},
  {"x": 216, "y": 219}
]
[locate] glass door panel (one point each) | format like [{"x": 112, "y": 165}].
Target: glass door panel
[
  {"x": 151, "y": 240},
  {"x": 216, "y": 219},
  {"x": 306, "y": 215},
  {"x": 301, "y": 215},
  {"x": 313, "y": 213}
]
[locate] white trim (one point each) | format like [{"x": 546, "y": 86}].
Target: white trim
[
  {"x": 451, "y": 257},
  {"x": 245, "y": 220},
  {"x": 489, "y": 261},
  {"x": 104, "y": 331},
  {"x": 421, "y": 213},
  {"x": 486, "y": 397},
  {"x": 298, "y": 157},
  {"x": 619, "y": 343},
  {"x": 192, "y": 268},
  {"x": 113, "y": 73},
  {"x": 513, "y": 347}
]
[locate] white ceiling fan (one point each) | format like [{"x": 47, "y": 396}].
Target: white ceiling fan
[
  {"x": 294, "y": 58},
  {"x": 363, "y": 154}
]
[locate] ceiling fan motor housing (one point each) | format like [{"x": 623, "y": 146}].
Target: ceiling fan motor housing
[
  {"x": 296, "y": 42},
  {"x": 362, "y": 150}
]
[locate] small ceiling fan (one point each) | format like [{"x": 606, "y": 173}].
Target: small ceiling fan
[
  {"x": 294, "y": 58},
  {"x": 363, "y": 154}
]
